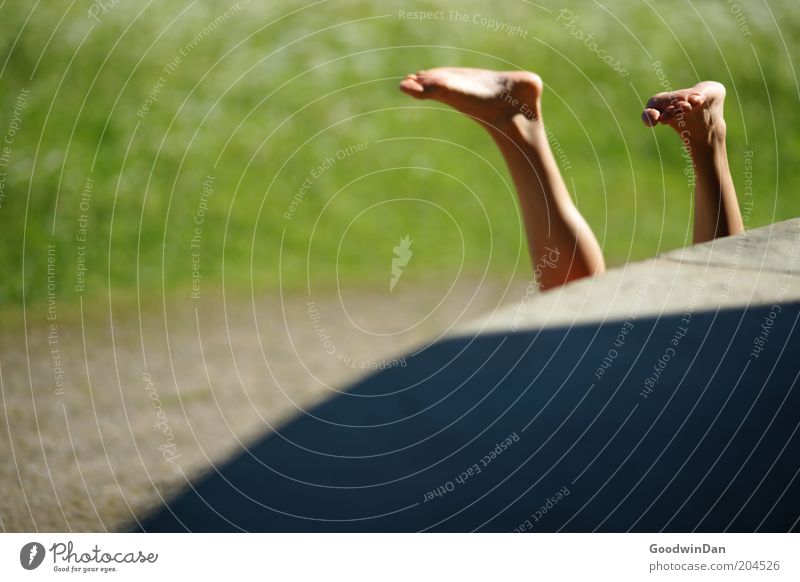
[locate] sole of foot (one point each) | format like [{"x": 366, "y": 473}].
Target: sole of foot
[
  {"x": 696, "y": 110},
  {"x": 492, "y": 97}
]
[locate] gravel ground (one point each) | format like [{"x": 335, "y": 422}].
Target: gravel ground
[{"x": 116, "y": 407}]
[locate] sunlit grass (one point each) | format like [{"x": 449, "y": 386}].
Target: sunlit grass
[{"x": 260, "y": 106}]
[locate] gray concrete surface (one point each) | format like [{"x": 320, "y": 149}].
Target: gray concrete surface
[
  {"x": 227, "y": 377},
  {"x": 662, "y": 396},
  {"x": 758, "y": 268},
  {"x": 215, "y": 374}
]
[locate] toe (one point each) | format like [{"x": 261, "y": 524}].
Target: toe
[
  {"x": 412, "y": 86},
  {"x": 661, "y": 101},
  {"x": 668, "y": 114},
  {"x": 696, "y": 99},
  {"x": 650, "y": 116}
]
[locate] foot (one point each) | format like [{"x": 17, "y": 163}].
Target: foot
[
  {"x": 491, "y": 97},
  {"x": 695, "y": 113}
]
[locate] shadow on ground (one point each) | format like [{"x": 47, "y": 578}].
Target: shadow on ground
[{"x": 689, "y": 427}]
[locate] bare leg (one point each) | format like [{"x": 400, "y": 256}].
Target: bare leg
[
  {"x": 508, "y": 106},
  {"x": 696, "y": 114}
]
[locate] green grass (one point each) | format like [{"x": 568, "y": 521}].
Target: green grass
[{"x": 277, "y": 88}]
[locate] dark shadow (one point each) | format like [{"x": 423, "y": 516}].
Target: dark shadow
[{"x": 709, "y": 443}]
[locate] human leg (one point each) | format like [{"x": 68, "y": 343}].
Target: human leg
[
  {"x": 696, "y": 114},
  {"x": 508, "y": 106}
]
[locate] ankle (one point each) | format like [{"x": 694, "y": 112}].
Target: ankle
[
  {"x": 710, "y": 138},
  {"x": 520, "y": 129}
]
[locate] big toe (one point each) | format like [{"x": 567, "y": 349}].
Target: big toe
[
  {"x": 650, "y": 116},
  {"x": 412, "y": 86}
]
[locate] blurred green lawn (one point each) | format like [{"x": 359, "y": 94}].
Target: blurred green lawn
[{"x": 263, "y": 97}]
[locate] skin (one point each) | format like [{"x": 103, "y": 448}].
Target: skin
[
  {"x": 696, "y": 114},
  {"x": 508, "y": 105}
]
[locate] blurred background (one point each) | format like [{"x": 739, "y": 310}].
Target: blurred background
[{"x": 200, "y": 203}]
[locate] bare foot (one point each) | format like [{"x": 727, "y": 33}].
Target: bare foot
[
  {"x": 492, "y": 97},
  {"x": 695, "y": 113}
]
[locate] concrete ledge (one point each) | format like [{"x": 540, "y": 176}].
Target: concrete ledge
[
  {"x": 662, "y": 396},
  {"x": 760, "y": 267}
]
